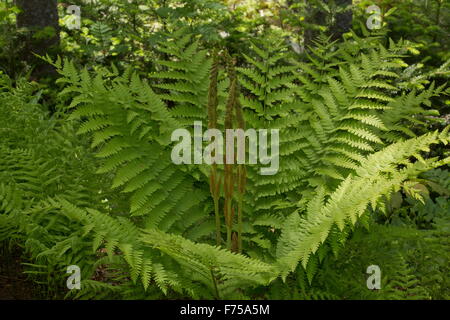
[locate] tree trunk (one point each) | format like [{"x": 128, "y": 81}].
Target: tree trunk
[
  {"x": 40, "y": 18},
  {"x": 315, "y": 17},
  {"x": 342, "y": 21}
]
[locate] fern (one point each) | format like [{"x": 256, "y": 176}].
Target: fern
[
  {"x": 94, "y": 184},
  {"x": 378, "y": 175},
  {"x": 132, "y": 139},
  {"x": 183, "y": 76}
]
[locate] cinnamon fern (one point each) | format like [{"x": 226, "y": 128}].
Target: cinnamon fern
[{"x": 94, "y": 184}]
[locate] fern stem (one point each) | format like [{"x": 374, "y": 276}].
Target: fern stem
[
  {"x": 241, "y": 176},
  {"x": 229, "y": 168},
  {"x": 229, "y": 243},
  {"x": 212, "y": 124},
  {"x": 240, "y": 224},
  {"x": 216, "y": 290},
  {"x": 217, "y": 216}
]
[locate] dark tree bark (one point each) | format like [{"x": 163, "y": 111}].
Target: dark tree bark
[
  {"x": 342, "y": 21},
  {"x": 315, "y": 17},
  {"x": 40, "y": 17}
]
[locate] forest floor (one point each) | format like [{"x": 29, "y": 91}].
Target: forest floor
[{"x": 14, "y": 284}]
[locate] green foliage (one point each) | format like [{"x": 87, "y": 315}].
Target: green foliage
[
  {"x": 423, "y": 22},
  {"x": 183, "y": 75},
  {"x": 377, "y": 175},
  {"x": 93, "y": 184},
  {"x": 413, "y": 265},
  {"x": 9, "y": 41}
]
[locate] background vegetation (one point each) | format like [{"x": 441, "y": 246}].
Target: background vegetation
[{"x": 86, "y": 179}]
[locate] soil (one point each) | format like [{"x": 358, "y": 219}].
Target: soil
[{"x": 14, "y": 284}]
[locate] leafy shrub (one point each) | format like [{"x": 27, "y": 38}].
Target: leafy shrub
[{"x": 93, "y": 184}]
